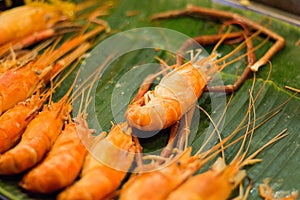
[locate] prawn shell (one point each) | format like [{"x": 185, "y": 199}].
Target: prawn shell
[
  {"x": 34, "y": 18},
  {"x": 61, "y": 166},
  {"x": 177, "y": 92},
  {"x": 36, "y": 141}
]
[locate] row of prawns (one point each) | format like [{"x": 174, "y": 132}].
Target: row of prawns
[
  {"x": 23, "y": 82},
  {"x": 52, "y": 150},
  {"x": 37, "y": 135}
]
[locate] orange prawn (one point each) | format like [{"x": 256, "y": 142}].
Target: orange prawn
[
  {"x": 36, "y": 17},
  {"x": 159, "y": 183},
  {"x": 40, "y": 21},
  {"x": 179, "y": 90},
  {"x": 167, "y": 177},
  {"x": 37, "y": 138},
  {"x": 18, "y": 84},
  {"x": 173, "y": 97},
  {"x": 98, "y": 180}
]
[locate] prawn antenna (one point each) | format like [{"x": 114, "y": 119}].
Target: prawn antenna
[
  {"x": 219, "y": 122},
  {"x": 216, "y": 129},
  {"x": 251, "y": 106}
]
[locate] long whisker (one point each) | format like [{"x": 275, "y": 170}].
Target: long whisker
[
  {"x": 221, "y": 119},
  {"x": 254, "y": 119},
  {"x": 215, "y": 129}
]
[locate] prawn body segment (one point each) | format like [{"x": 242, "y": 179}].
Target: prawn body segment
[{"x": 175, "y": 95}]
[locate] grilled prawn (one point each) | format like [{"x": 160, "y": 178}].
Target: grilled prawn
[
  {"x": 61, "y": 166},
  {"x": 180, "y": 89},
  {"x": 36, "y": 17},
  {"x": 97, "y": 179}
]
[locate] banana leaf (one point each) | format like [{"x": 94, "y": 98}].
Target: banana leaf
[{"x": 280, "y": 161}]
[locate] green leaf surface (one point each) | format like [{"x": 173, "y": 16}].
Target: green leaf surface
[{"x": 280, "y": 161}]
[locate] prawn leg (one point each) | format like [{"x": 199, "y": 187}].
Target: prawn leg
[{"x": 224, "y": 15}]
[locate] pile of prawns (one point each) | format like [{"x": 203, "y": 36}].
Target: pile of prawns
[{"x": 43, "y": 141}]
